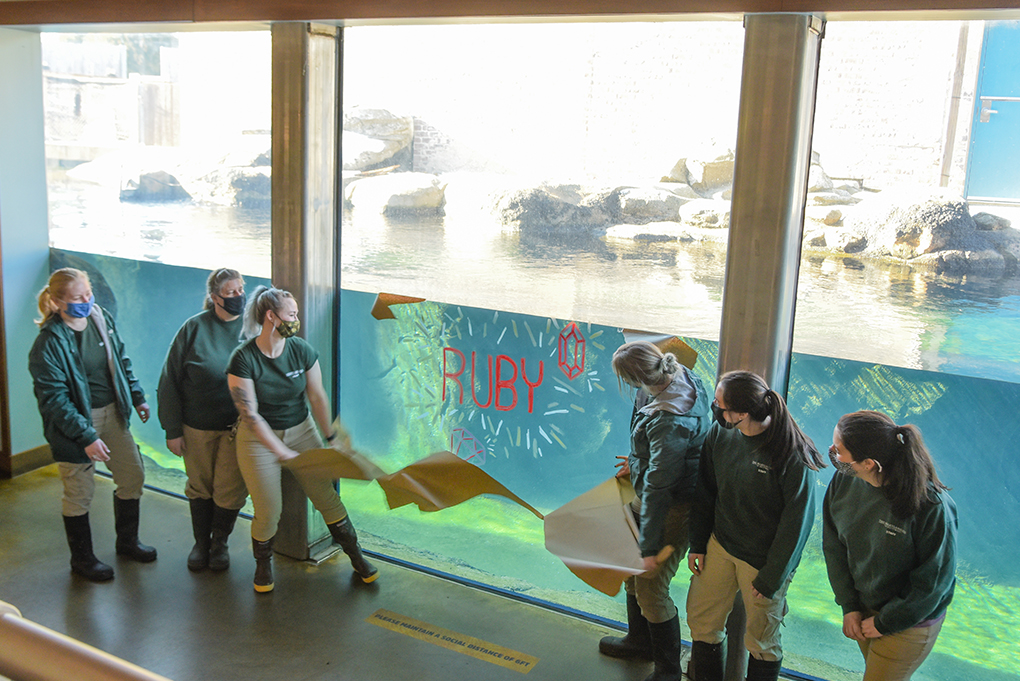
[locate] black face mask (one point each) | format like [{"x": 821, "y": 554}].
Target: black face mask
[
  {"x": 233, "y": 306},
  {"x": 718, "y": 412}
]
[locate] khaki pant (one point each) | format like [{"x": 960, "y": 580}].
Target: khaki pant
[
  {"x": 895, "y": 657},
  {"x": 125, "y": 464},
  {"x": 261, "y": 471},
  {"x": 652, "y": 591},
  {"x": 710, "y": 600},
  {"x": 210, "y": 461}
]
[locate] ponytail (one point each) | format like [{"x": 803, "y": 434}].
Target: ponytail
[
  {"x": 906, "y": 467},
  {"x": 746, "y": 392}
]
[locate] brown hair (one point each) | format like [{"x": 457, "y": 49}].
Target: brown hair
[
  {"x": 746, "y": 392},
  {"x": 56, "y": 289},
  {"x": 216, "y": 280},
  {"x": 907, "y": 467}
]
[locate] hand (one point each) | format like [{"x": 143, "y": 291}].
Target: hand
[
  {"x": 696, "y": 562},
  {"x": 176, "y": 445},
  {"x": 756, "y": 593},
  {"x": 143, "y": 411},
  {"x": 98, "y": 451},
  {"x": 287, "y": 454},
  {"x": 624, "y": 467},
  {"x": 650, "y": 564},
  {"x": 852, "y": 626},
  {"x": 869, "y": 630}
]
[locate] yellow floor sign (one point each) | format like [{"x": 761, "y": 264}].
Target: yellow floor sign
[{"x": 475, "y": 647}]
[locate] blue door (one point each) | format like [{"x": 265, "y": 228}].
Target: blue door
[{"x": 993, "y": 169}]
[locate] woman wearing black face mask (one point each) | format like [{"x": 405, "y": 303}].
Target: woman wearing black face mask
[
  {"x": 197, "y": 414},
  {"x": 752, "y": 513},
  {"x": 276, "y": 384},
  {"x": 889, "y": 536}
]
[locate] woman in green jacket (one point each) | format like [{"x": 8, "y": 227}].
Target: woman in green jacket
[
  {"x": 751, "y": 518},
  {"x": 667, "y": 428},
  {"x": 198, "y": 415},
  {"x": 889, "y": 537},
  {"x": 86, "y": 389}
]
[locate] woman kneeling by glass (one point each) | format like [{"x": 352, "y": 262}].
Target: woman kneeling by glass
[
  {"x": 197, "y": 414},
  {"x": 667, "y": 428},
  {"x": 270, "y": 377},
  {"x": 889, "y": 536},
  {"x": 751, "y": 518}
]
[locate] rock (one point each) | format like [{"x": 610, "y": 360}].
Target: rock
[
  {"x": 825, "y": 215},
  {"x": 398, "y": 193},
  {"x": 246, "y": 187},
  {"x": 706, "y": 172},
  {"x": 640, "y": 206},
  {"x": 987, "y": 222},
  {"x": 906, "y": 225},
  {"x": 832, "y": 198},
  {"x": 561, "y": 208},
  {"x": 157, "y": 186},
  {"x": 706, "y": 213},
  {"x": 651, "y": 232},
  {"x": 373, "y": 137},
  {"x": 818, "y": 181}
]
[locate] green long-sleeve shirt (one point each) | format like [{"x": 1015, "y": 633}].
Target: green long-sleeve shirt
[
  {"x": 759, "y": 514},
  {"x": 903, "y": 569},
  {"x": 193, "y": 386}
]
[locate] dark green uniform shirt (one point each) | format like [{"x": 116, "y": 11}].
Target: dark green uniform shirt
[
  {"x": 92, "y": 351},
  {"x": 903, "y": 569},
  {"x": 759, "y": 514},
  {"x": 279, "y": 383},
  {"x": 193, "y": 387}
]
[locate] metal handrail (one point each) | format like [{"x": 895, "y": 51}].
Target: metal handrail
[{"x": 31, "y": 652}]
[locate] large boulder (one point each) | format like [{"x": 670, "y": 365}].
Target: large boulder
[
  {"x": 910, "y": 223},
  {"x": 706, "y": 214},
  {"x": 398, "y": 193},
  {"x": 641, "y": 205},
  {"x": 157, "y": 186},
  {"x": 373, "y": 138},
  {"x": 559, "y": 208},
  {"x": 708, "y": 171}
]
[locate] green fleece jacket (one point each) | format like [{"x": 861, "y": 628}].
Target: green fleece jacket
[
  {"x": 193, "y": 385},
  {"x": 902, "y": 568},
  {"x": 759, "y": 514},
  {"x": 62, "y": 388}
]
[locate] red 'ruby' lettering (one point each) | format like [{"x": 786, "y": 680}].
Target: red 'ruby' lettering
[{"x": 505, "y": 378}]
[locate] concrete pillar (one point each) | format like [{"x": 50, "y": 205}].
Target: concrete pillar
[
  {"x": 24, "y": 240},
  {"x": 304, "y": 223}
]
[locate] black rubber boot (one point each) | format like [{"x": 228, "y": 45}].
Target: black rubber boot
[
  {"x": 344, "y": 535},
  {"x": 263, "y": 551},
  {"x": 201, "y": 527},
  {"x": 763, "y": 670},
  {"x": 707, "y": 662},
  {"x": 665, "y": 650},
  {"x": 125, "y": 518},
  {"x": 83, "y": 560},
  {"x": 637, "y": 644},
  {"x": 222, "y": 525}
]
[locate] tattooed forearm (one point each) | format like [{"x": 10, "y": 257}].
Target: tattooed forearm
[{"x": 246, "y": 405}]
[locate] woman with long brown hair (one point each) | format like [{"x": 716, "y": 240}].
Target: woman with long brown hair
[
  {"x": 752, "y": 515},
  {"x": 889, "y": 537}
]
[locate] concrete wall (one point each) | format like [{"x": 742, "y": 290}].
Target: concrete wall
[
  {"x": 625, "y": 101},
  {"x": 23, "y": 221}
]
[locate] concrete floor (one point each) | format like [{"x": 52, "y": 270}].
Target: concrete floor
[{"x": 315, "y": 625}]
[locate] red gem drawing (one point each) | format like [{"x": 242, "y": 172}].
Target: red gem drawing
[
  {"x": 571, "y": 351},
  {"x": 467, "y": 447}
]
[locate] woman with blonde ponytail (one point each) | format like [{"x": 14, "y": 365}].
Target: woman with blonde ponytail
[
  {"x": 889, "y": 536},
  {"x": 667, "y": 428},
  {"x": 86, "y": 390},
  {"x": 752, "y": 515}
]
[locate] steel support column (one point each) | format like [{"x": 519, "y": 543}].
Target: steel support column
[
  {"x": 305, "y": 103},
  {"x": 770, "y": 176}
]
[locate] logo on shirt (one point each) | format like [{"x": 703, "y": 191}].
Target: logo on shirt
[
  {"x": 763, "y": 468},
  {"x": 295, "y": 373},
  {"x": 891, "y": 529}
]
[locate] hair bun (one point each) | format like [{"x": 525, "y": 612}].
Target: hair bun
[{"x": 669, "y": 363}]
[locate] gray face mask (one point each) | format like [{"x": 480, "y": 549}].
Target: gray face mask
[{"x": 841, "y": 466}]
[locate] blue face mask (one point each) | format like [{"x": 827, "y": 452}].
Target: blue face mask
[{"x": 79, "y": 310}]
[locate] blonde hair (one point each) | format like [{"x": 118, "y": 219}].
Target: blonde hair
[
  {"x": 641, "y": 363},
  {"x": 56, "y": 289},
  {"x": 263, "y": 299}
]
